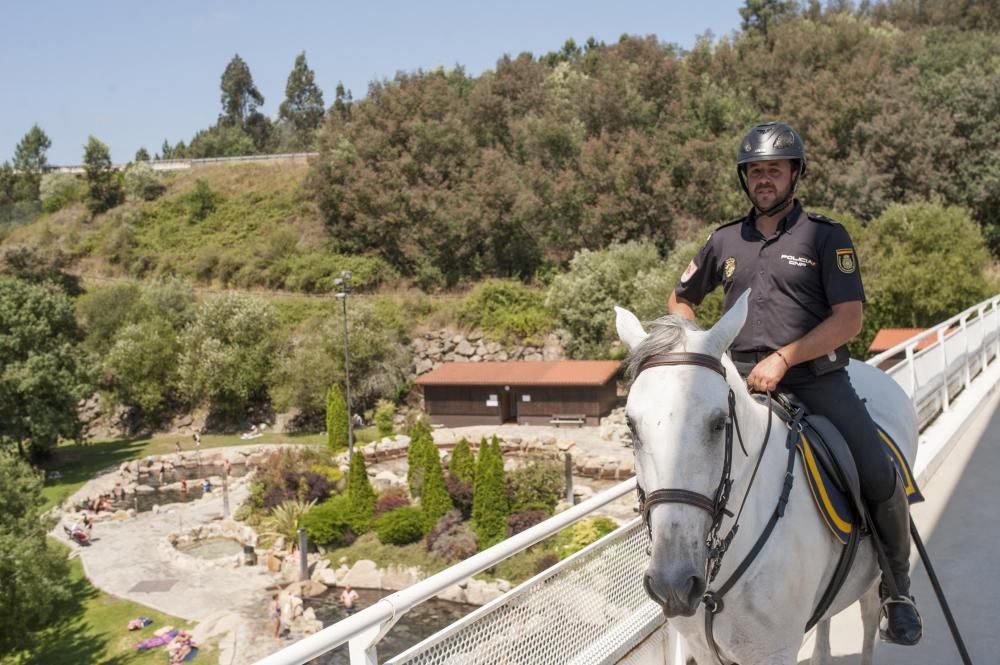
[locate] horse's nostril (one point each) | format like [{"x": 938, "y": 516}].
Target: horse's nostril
[{"x": 696, "y": 589}]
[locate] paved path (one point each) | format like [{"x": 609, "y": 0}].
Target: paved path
[{"x": 959, "y": 523}]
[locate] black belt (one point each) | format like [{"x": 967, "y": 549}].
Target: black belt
[{"x": 750, "y": 356}]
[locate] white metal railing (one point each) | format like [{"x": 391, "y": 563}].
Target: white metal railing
[
  {"x": 963, "y": 346},
  {"x": 182, "y": 164}
]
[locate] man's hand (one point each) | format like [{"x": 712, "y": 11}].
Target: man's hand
[{"x": 767, "y": 374}]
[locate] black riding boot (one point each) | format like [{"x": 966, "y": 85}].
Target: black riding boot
[{"x": 899, "y": 621}]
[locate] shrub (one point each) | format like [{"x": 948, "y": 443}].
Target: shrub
[
  {"x": 385, "y": 414},
  {"x": 538, "y": 482},
  {"x": 525, "y": 519},
  {"x": 142, "y": 183},
  {"x": 450, "y": 539},
  {"x": 545, "y": 562},
  {"x": 461, "y": 495},
  {"x": 292, "y": 474},
  {"x": 202, "y": 201},
  {"x": 401, "y": 526},
  {"x": 463, "y": 464},
  {"x": 360, "y": 494},
  {"x": 583, "y": 297},
  {"x": 391, "y": 499},
  {"x": 506, "y": 310},
  {"x": 336, "y": 419},
  {"x": 574, "y": 538},
  {"x": 329, "y": 523},
  {"x": 59, "y": 190},
  {"x": 489, "y": 502}
]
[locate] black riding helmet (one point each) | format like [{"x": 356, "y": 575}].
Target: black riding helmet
[{"x": 766, "y": 142}]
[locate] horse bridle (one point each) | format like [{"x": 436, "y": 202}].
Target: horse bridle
[{"x": 715, "y": 506}]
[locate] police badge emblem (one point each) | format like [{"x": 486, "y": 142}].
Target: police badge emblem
[
  {"x": 845, "y": 261},
  {"x": 728, "y": 268}
]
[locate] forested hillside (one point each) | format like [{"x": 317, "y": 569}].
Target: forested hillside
[{"x": 532, "y": 198}]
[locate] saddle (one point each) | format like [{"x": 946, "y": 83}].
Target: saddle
[{"x": 833, "y": 480}]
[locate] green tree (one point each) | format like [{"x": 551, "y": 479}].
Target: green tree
[
  {"x": 434, "y": 502},
  {"x": 489, "y": 501},
  {"x": 141, "y": 155},
  {"x": 760, "y": 16},
  {"x": 202, "y": 201},
  {"x": 537, "y": 483},
  {"x": 240, "y": 96},
  {"x": 336, "y": 419},
  {"x": 463, "y": 463},
  {"x": 227, "y": 353},
  {"x": 43, "y": 374},
  {"x": 360, "y": 494},
  {"x": 303, "y": 106},
  {"x": 342, "y": 102},
  {"x": 421, "y": 449},
  {"x": 30, "y": 162},
  {"x": 35, "y": 576},
  {"x": 141, "y": 182},
  {"x": 141, "y": 366},
  {"x": 103, "y": 189}
]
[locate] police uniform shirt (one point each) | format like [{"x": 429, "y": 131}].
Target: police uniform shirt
[{"x": 797, "y": 275}]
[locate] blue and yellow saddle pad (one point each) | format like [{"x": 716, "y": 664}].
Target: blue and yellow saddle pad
[{"x": 833, "y": 505}]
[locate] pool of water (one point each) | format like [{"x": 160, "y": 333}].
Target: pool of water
[
  {"x": 145, "y": 502},
  {"x": 419, "y": 623},
  {"x": 213, "y": 548}
]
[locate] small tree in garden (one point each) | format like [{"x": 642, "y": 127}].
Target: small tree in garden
[
  {"x": 463, "y": 464},
  {"x": 336, "y": 419},
  {"x": 360, "y": 494},
  {"x": 489, "y": 501},
  {"x": 421, "y": 448},
  {"x": 435, "y": 501},
  {"x": 385, "y": 414}
]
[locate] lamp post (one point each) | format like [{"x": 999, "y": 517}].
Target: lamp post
[{"x": 344, "y": 283}]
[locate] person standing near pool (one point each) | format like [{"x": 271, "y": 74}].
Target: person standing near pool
[{"x": 348, "y": 598}]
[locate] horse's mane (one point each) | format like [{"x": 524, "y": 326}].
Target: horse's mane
[{"x": 664, "y": 334}]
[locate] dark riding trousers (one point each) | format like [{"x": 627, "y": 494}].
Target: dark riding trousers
[{"x": 833, "y": 397}]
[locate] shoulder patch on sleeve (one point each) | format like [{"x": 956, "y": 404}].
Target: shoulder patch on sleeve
[{"x": 816, "y": 217}]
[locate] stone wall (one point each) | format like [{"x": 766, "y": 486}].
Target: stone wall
[{"x": 433, "y": 348}]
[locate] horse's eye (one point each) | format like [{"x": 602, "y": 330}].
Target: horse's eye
[
  {"x": 719, "y": 424},
  {"x": 631, "y": 429}
]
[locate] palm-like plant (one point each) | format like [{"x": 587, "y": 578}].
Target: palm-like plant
[{"x": 284, "y": 521}]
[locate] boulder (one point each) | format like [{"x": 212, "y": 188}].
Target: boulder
[
  {"x": 328, "y": 577},
  {"x": 464, "y": 348},
  {"x": 305, "y": 589},
  {"x": 364, "y": 574}
]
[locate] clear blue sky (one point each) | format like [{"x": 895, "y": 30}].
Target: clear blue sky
[{"x": 136, "y": 73}]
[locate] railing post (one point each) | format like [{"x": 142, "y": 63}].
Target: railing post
[
  {"x": 944, "y": 371},
  {"x": 982, "y": 346},
  {"x": 362, "y": 647},
  {"x": 965, "y": 334},
  {"x": 913, "y": 372},
  {"x": 996, "y": 329}
]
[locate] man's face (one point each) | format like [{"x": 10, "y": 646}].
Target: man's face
[{"x": 769, "y": 182}]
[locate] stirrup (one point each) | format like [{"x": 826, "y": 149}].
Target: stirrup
[{"x": 884, "y": 633}]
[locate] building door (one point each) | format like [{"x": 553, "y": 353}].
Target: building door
[{"x": 508, "y": 407}]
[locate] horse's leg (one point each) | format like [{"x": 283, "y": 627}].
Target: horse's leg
[
  {"x": 821, "y": 649},
  {"x": 870, "y": 606}
]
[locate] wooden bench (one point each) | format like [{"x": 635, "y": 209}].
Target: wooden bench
[{"x": 568, "y": 419}]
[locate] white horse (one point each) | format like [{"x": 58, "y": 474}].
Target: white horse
[{"x": 678, "y": 416}]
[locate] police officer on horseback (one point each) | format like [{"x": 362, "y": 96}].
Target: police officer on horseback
[{"x": 806, "y": 304}]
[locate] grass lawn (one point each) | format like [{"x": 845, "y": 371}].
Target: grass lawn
[
  {"x": 92, "y": 629},
  {"x": 80, "y": 463}
]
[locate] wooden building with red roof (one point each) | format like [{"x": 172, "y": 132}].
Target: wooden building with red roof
[{"x": 560, "y": 392}]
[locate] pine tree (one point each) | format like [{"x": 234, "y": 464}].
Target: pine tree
[
  {"x": 303, "y": 105},
  {"x": 489, "y": 500},
  {"x": 342, "y": 103},
  {"x": 463, "y": 464},
  {"x": 434, "y": 502},
  {"x": 103, "y": 188},
  {"x": 336, "y": 419},
  {"x": 141, "y": 155},
  {"x": 421, "y": 448},
  {"x": 30, "y": 161},
  {"x": 360, "y": 495}
]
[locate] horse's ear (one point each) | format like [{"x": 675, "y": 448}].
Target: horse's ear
[
  {"x": 629, "y": 328},
  {"x": 728, "y": 327}
]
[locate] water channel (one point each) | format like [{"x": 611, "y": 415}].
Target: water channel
[{"x": 419, "y": 623}]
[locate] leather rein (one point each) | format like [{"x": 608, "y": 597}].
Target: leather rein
[{"x": 716, "y": 506}]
